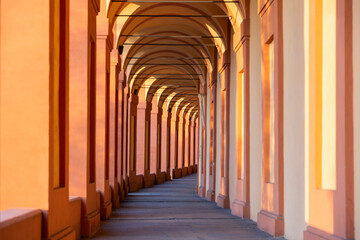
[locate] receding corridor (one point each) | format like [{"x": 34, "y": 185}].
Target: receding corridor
[{"x": 174, "y": 211}]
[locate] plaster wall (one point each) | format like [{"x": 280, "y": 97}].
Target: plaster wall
[
  {"x": 356, "y": 64},
  {"x": 232, "y": 143},
  {"x": 207, "y": 137},
  {"x": 255, "y": 112},
  {"x": 218, "y": 139},
  {"x": 24, "y": 105},
  {"x": 294, "y": 120}
]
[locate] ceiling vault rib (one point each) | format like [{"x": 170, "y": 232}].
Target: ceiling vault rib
[
  {"x": 166, "y": 64},
  {"x": 176, "y": 1},
  {"x": 166, "y": 74},
  {"x": 174, "y": 16},
  {"x": 167, "y": 36},
  {"x": 168, "y": 44},
  {"x": 185, "y": 79},
  {"x": 186, "y": 58}
]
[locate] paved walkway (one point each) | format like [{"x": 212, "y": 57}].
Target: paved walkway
[{"x": 173, "y": 211}]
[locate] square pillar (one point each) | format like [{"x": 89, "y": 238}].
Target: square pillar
[
  {"x": 136, "y": 181},
  {"x": 102, "y": 115},
  {"x": 82, "y": 106},
  {"x": 271, "y": 216},
  {"x": 210, "y": 194},
  {"x": 241, "y": 204},
  {"x": 121, "y": 121},
  {"x": 223, "y": 199},
  {"x": 113, "y": 128},
  {"x": 165, "y": 143}
]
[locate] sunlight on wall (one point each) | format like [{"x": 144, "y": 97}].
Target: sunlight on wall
[
  {"x": 132, "y": 80},
  {"x": 307, "y": 99},
  {"x": 218, "y": 41},
  {"x": 147, "y": 84},
  {"x": 168, "y": 99},
  {"x": 120, "y": 21},
  {"x": 329, "y": 96},
  {"x": 159, "y": 92},
  {"x": 240, "y": 127}
]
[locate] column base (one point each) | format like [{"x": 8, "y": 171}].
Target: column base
[
  {"x": 168, "y": 175},
  {"x": 312, "y": 233},
  {"x": 210, "y": 195},
  {"x": 184, "y": 171},
  {"x": 105, "y": 210},
  {"x": 195, "y": 168},
  {"x": 122, "y": 195},
  {"x": 126, "y": 186},
  {"x": 223, "y": 201},
  {"x": 136, "y": 182},
  {"x": 201, "y": 191},
  {"x": 177, "y": 173},
  {"x": 66, "y": 234},
  {"x": 190, "y": 170},
  {"x": 115, "y": 201},
  {"x": 149, "y": 180},
  {"x": 160, "y": 177},
  {"x": 90, "y": 224},
  {"x": 271, "y": 223},
  {"x": 240, "y": 209}
]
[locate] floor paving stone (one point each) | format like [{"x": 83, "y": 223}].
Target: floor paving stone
[{"x": 173, "y": 210}]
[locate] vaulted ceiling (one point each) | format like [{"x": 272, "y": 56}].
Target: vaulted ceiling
[{"x": 171, "y": 47}]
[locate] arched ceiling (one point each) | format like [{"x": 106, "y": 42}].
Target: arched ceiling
[{"x": 169, "y": 46}]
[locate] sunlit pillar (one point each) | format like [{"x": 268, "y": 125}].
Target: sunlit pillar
[
  {"x": 113, "y": 127},
  {"x": 196, "y": 146},
  {"x": 224, "y": 65},
  {"x": 165, "y": 143},
  {"x": 201, "y": 150},
  {"x": 126, "y": 147},
  {"x": 241, "y": 204},
  {"x": 154, "y": 141},
  {"x": 188, "y": 144},
  {"x": 143, "y": 138},
  {"x": 174, "y": 145},
  {"x": 136, "y": 170},
  {"x": 185, "y": 166},
  {"x": 180, "y": 161},
  {"x": 191, "y": 144},
  {"x": 210, "y": 194},
  {"x": 82, "y": 107},
  {"x": 270, "y": 218},
  {"x": 121, "y": 135},
  {"x": 102, "y": 112}
]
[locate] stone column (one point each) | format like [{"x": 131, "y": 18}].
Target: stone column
[
  {"x": 143, "y": 138},
  {"x": 113, "y": 127},
  {"x": 185, "y": 167},
  {"x": 241, "y": 204},
  {"x": 210, "y": 195},
  {"x": 102, "y": 114},
  {"x": 121, "y": 121},
  {"x": 174, "y": 146},
  {"x": 165, "y": 143},
  {"x": 135, "y": 181},
  {"x": 82, "y": 108},
  {"x": 223, "y": 197}
]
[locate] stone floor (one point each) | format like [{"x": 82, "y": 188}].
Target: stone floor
[{"x": 173, "y": 211}]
